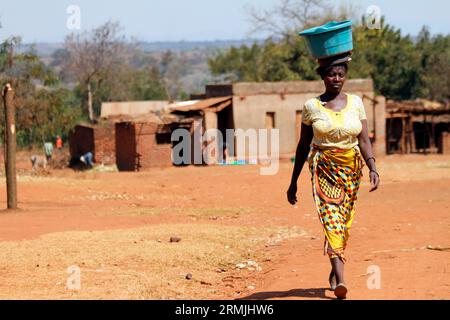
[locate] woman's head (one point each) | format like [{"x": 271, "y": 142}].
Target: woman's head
[{"x": 333, "y": 76}]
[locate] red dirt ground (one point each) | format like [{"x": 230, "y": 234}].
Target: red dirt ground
[{"x": 392, "y": 228}]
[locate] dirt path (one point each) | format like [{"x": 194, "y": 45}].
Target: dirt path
[
  {"x": 397, "y": 229},
  {"x": 392, "y": 234},
  {"x": 392, "y": 228}
]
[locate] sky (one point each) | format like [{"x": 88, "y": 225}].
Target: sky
[{"x": 188, "y": 20}]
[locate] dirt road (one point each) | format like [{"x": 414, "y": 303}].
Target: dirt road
[{"x": 227, "y": 215}]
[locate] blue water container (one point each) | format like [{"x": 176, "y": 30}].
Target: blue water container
[{"x": 330, "y": 39}]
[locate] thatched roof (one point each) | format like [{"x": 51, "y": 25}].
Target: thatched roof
[{"x": 418, "y": 106}]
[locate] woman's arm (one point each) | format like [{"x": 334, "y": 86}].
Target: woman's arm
[
  {"x": 366, "y": 151},
  {"x": 306, "y": 135}
]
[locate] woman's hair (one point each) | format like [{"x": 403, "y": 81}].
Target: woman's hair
[{"x": 323, "y": 70}]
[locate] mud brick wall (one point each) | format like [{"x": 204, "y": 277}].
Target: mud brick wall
[
  {"x": 252, "y": 102},
  {"x": 445, "y": 142},
  {"x": 105, "y": 145},
  {"x": 99, "y": 140},
  {"x": 150, "y": 153},
  {"x": 132, "y": 146}
]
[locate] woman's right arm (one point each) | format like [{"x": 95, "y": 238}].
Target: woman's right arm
[{"x": 301, "y": 154}]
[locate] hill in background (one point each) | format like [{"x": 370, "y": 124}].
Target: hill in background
[{"x": 193, "y": 55}]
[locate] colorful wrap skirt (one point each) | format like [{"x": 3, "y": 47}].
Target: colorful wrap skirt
[{"x": 335, "y": 176}]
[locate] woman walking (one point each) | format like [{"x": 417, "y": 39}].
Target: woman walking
[{"x": 335, "y": 141}]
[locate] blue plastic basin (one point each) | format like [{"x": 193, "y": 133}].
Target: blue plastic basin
[{"x": 329, "y": 39}]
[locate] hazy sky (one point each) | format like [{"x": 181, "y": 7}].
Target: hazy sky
[{"x": 174, "y": 20}]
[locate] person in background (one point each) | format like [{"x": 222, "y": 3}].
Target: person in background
[
  {"x": 87, "y": 159},
  {"x": 59, "y": 143},
  {"x": 48, "y": 147},
  {"x": 38, "y": 162}
]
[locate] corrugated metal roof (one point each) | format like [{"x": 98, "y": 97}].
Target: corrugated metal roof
[{"x": 220, "y": 102}]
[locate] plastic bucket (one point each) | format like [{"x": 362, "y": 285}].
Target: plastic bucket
[{"x": 330, "y": 39}]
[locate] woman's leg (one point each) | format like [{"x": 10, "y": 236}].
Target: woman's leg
[
  {"x": 332, "y": 278},
  {"x": 338, "y": 269},
  {"x": 340, "y": 290}
]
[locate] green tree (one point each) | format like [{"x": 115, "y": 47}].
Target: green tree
[
  {"x": 389, "y": 58},
  {"x": 43, "y": 109},
  {"x": 45, "y": 114},
  {"x": 400, "y": 68},
  {"x": 132, "y": 84},
  {"x": 434, "y": 66}
]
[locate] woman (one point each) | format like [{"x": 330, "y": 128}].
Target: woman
[{"x": 334, "y": 138}]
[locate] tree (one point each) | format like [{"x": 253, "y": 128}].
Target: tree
[
  {"x": 400, "y": 68},
  {"x": 284, "y": 55},
  {"x": 434, "y": 66},
  {"x": 45, "y": 114},
  {"x": 271, "y": 61},
  {"x": 18, "y": 67},
  {"x": 93, "y": 57},
  {"x": 42, "y": 108},
  {"x": 286, "y": 17},
  {"x": 171, "y": 67},
  {"x": 387, "y": 57},
  {"x": 130, "y": 84}
]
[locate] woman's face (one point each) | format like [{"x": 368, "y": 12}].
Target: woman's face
[{"x": 334, "y": 79}]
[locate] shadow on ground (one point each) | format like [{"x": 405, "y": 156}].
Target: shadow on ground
[{"x": 300, "y": 293}]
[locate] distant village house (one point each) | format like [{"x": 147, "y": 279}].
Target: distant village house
[{"x": 137, "y": 135}]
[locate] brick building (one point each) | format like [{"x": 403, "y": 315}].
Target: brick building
[
  {"x": 137, "y": 134},
  {"x": 445, "y": 143},
  {"x": 132, "y": 143},
  {"x": 278, "y": 105},
  {"x": 96, "y": 139},
  {"x": 143, "y": 144}
]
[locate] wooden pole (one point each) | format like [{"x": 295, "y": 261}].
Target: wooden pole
[
  {"x": 425, "y": 135},
  {"x": 410, "y": 133},
  {"x": 403, "y": 138},
  {"x": 433, "y": 138},
  {"x": 10, "y": 146},
  {"x": 413, "y": 136}
]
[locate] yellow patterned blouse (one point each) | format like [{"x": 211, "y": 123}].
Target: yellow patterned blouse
[{"x": 335, "y": 129}]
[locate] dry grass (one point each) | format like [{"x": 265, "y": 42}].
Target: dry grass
[
  {"x": 132, "y": 264},
  {"x": 418, "y": 168},
  {"x": 210, "y": 212}
]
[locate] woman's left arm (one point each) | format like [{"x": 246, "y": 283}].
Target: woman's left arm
[{"x": 366, "y": 151}]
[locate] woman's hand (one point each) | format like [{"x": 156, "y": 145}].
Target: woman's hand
[
  {"x": 374, "y": 180},
  {"x": 292, "y": 194}
]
